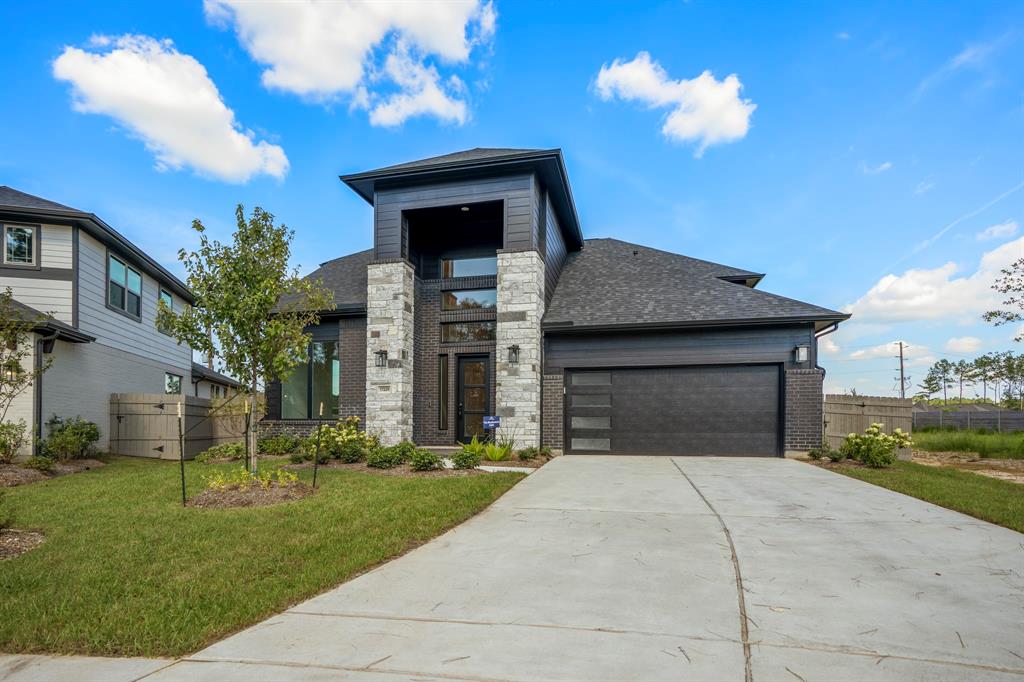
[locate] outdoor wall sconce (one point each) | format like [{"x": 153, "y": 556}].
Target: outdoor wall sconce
[
  {"x": 381, "y": 358},
  {"x": 802, "y": 353},
  {"x": 10, "y": 373},
  {"x": 513, "y": 354}
]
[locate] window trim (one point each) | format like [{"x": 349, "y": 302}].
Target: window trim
[
  {"x": 464, "y": 258},
  {"x": 491, "y": 322},
  {"x": 37, "y": 231},
  {"x": 181, "y": 383},
  {"x": 106, "y": 289},
  {"x": 465, "y": 289},
  {"x": 160, "y": 291}
]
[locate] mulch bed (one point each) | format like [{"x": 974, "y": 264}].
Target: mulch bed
[
  {"x": 252, "y": 496},
  {"x": 16, "y": 542},
  {"x": 15, "y": 474},
  {"x": 403, "y": 470}
]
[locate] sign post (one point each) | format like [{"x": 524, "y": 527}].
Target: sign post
[{"x": 181, "y": 450}]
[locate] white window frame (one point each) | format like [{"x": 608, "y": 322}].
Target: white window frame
[{"x": 35, "y": 245}]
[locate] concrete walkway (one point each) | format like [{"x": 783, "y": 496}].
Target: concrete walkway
[{"x": 644, "y": 568}]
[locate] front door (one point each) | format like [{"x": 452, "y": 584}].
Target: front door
[{"x": 474, "y": 396}]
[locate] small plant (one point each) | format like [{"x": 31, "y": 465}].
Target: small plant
[
  {"x": 39, "y": 463},
  {"x": 875, "y": 448},
  {"x": 70, "y": 438},
  {"x": 466, "y": 459},
  {"x": 282, "y": 444},
  {"x": 385, "y": 458},
  {"x": 475, "y": 446},
  {"x": 333, "y": 440},
  {"x": 528, "y": 454},
  {"x": 12, "y": 438},
  {"x": 495, "y": 452},
  {"x": 353, "y": 451},
  {"x": 243, "y": 479},
  {"x": 230, "y": 451},
  {"x": 405, "y": 449},
  {"x": 816, "y": 453},
  {"x": 299, "y": 457},
  {"x": 834, "y": 456},
  {"x": 424, "y": 460}
]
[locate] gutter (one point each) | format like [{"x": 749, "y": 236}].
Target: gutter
[
  {"x": 569, "y": 327},
  {"x": 824, "y": 332}
]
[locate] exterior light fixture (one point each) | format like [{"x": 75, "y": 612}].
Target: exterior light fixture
[
  {"x": 10, "y": 373},
  {"x": 381, "y": 358},
  {"x": 465, "y": 209},
  {"x": 801, "y": 353},
  {"x": 513, "y": 354}
]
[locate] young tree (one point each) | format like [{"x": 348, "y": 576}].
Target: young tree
[
  {"x": 943, "y": 371},
  {"x": 255, "y": 306},
  {"x": 17, "y": 371},
  {"x": 962, "y": 372},
  {"x": 983, "y": 372},
  {"x": 930, "y": 386}
]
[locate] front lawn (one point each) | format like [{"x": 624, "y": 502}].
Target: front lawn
[
  {"x": 126, "y": 571},
  {"x": 985, "y": 444},
  {"x": 985, "y": 498}
]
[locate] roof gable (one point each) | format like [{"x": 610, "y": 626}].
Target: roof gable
[{"x": 345, "y": 277}]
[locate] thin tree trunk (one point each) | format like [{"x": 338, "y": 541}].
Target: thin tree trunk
[{"x": 251, "y": 427}]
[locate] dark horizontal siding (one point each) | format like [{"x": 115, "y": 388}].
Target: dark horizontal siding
[
  {"x": 701, "y": 347},
  {"x": 554, "y": 249}
]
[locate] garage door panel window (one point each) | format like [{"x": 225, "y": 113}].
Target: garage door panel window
[
  {"x": 591, "y": 443},
  {"x": 592, "y": 422},
  {"x": 591, "y": 400},
  {"x": 591, "y": 378}
]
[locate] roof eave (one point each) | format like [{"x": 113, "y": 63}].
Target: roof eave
[{"x": 571, "y": 328}]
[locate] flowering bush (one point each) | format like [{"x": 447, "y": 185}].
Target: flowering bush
[
  {"x": 874, "y": 447},
  {"x": 243, "y": 479},
  {"x": 336, "y": 441}
]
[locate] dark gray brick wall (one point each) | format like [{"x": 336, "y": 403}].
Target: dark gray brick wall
[
  {"x": 552, "y": 400},
  {"x": 804, "y": 409}
]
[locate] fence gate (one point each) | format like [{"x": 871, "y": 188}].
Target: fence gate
[
  {"x": 846, "y": 414},
  {"x": 146, "y": 424}
]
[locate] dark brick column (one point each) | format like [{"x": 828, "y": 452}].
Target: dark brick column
[
  {"x": 552, "y": 399},
  {"x": 804, "y": 409}
]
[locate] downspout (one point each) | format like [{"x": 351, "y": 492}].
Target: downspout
[
  {"x": 41, "y": 344},
  {"x": 824, "y": 332}
]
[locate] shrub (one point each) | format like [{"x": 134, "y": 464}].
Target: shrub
[
  {"x": 44, "y": 464},
  {"x": 70, "y": 438},
  {"x": 526, "y": 454},
  {"x": 333, "y": 440},
  {"x": 466, "y": 459},
  {"x": 222, "y": 451},
  {"x": 279, "y": 445},
  {"x": 834, "y": 455},
  {"x": 874, "y": 447},
  {"x": 495, "y": 452},
  {"x": 405, "y": 449},
  {"x": 299, "y": 457},
  {"x": 12, "y": 437},
  {"x": 424, "y": 460},
  {"x": 816, "y": 453},
  {"x": 353, "y": 451},
  {"x": 385, "y": 458},
  {"x": 243, "y": 479},
  {"x": 474, "y": 446}
]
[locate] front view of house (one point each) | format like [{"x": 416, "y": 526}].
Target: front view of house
[{"x": 481, "y": 298}]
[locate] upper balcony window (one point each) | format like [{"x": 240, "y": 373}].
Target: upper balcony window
[
  {"x": 469, "y": 267},
  {"x": 19, "y": 245},
  {"x": 124, "y": 287},
  {"x": 470, "y": 299}
]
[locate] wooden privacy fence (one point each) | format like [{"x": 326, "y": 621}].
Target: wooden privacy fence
[
  {"x": 846, "y": 414},
  {"x": 146, "y": 424}
]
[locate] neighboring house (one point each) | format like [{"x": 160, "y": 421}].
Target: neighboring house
[
  {"x": 207, "y": 383},
  {"x": 481, "y": 298},
  {"x": 95, "y": 295}
]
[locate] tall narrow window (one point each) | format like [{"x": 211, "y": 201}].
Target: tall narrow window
[
  {"x": 19, "y": 245},
  {"x": 442, "y": 393},
  {"x": 168, "y": 301},
  {"x": 124, "y": 287},
  {"x": 316, "y": 382}
]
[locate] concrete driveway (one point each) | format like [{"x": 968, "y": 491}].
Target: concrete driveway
[{"x": 615, "y": 568}]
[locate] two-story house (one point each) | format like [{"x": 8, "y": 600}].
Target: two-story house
[
  {"x": 481, "y": 298},
  {"x": 94, "y": 296}
]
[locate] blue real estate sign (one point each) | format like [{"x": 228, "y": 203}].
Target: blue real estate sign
[{"x": 491, "y": 423}]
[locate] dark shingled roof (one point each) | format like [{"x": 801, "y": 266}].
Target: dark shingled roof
[
  {"x": 606, "y": 285},
  {"x": 45, "y": 324},
  {"x": 346, "y": 277},
  {"x": 468, "y": 155},
  {"x": 206, "y": 374},
  {"x": 10, "y": 197}
]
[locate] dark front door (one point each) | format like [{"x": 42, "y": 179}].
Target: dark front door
[
  {"x": 474, "y": 396},
  {"x": 714, "y": 410}
]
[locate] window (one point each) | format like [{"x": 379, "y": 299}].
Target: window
[
  {"x": 442, "y": 393},
  {"x": 455, "y": 332},
  {"x": 316, "y": 382},
  {"x": 168, "y": 300},
  {"x": 19, "y": 245},
  {"x": 469, "y": 267},
  {"x": 172, "y": 384},
  {"x": 470, "y": 299},
  {"x": 124, "y": 287}
]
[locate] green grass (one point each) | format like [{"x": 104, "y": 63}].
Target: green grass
[
  {"x": 126, "y": 571},
  {"x": 982, "y": 497},
  {"x": 995, "y": 445}
]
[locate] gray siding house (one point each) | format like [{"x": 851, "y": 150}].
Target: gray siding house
[
  {"x": 482, "y": 298},
  {"x": 95, "y": 296}
]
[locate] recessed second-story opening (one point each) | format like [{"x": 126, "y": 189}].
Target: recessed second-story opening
[{"x": 459, "y": 240}]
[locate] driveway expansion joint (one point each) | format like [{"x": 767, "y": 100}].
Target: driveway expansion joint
[{"x": 353, "y": 669}]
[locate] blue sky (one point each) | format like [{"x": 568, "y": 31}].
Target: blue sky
[{"x": 868, "y": 156}]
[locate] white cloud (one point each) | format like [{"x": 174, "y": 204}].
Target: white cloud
[
  {"x": 963, "y": 344},
  {"x": 703, "y": 109},
  {"x": 971, "y": 57},
  {"x": 924, "y": 187},
  {"x": 374, "y": 53},
  {"x": 843, "y": 35},
  {"x": 911, "y": 352},
  {"x": 1002, "y": 230},
  {"x": 166, "y": 99},
  {"x": 937, "y": 293},
  {"x": 827, "y": 345},
  {"x": 874, "y": 170}
]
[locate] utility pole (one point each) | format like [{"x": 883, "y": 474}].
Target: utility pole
[{"x": 903, "y": 380}]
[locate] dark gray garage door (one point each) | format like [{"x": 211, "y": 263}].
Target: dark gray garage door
[{"x": 723, "y": 410}]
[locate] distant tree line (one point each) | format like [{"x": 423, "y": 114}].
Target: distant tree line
[{"x": 999, "y": 375}]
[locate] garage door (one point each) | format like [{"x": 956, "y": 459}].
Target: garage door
[{"x": 723, "y": 410}]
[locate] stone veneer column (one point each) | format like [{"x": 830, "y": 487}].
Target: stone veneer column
[
  {"x": 520, "y": 309},
  {"x": 390, "y": 294}
]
